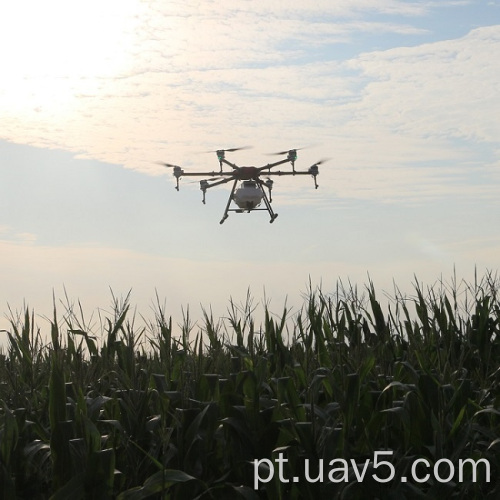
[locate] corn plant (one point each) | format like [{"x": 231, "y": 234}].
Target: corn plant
[{"x": 112, "y": 409}]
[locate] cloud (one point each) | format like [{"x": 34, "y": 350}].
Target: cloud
[
  {"x": 8, "y": 234},
  {"x": 230, "y": 74},
  {"x": 443, "y": 89}
]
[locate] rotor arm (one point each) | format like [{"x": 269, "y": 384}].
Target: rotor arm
[
  {"x": 181, "y": 173},
  {"x": 218, "y": 183},
  {"x": 275, "y": 164},
  {"x": 204, "y": 185},
  {"x": 226, "y": 162},
  {"x": 313, "y": 171},
  {"x": 205, "y": 174},
  {"x": 296, "y": 172}
]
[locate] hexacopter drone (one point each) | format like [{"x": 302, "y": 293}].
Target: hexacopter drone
[{"x": 248, "y": 191}]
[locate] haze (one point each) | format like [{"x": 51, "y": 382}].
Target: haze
[{"x": 401, "y": 96}]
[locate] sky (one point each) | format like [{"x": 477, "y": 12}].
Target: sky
[{"x": 400, "y": 96}]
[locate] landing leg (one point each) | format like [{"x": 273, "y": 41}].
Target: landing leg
[
  {"x": 267, "y": 202},
  {"x": 225, "y": 216}
]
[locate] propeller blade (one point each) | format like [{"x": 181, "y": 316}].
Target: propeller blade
[
  {"x": 168, "y": 165},
  {"x": 323, "y": 160},
  {"x": 230, "y": 150},
  {"x": 237, "y": 149},
  {"x": 279, "y": 153}
]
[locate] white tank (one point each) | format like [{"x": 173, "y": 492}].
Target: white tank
[{"x": 248, "y": 195}]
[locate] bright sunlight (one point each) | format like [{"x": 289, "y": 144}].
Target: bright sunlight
[{"x": 57, "y": 50}]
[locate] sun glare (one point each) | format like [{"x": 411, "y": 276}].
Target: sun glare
[{"x": 55, "y": 50}]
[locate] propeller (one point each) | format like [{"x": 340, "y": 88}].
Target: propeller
[
  {"x": 230, "y": 150},
  {"x": 237, "y": 149},
  {"x": 323, "y": 160},
  {"x": 279, "y": 153},
  {"x": 168, "y": 165}
]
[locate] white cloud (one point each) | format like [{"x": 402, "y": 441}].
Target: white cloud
[
  {"x": 197, "y": 79},
  {"x": 443, "y": 89}
]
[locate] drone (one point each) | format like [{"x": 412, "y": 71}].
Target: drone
[{"x": 248, "y": 191}]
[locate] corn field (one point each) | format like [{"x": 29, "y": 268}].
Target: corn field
[{"x": 118, "y": 411}]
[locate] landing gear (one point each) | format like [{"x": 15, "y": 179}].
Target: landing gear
[{"x": 249, "y": 200}]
